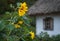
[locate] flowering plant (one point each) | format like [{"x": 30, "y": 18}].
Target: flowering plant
[{"x": 15, "y": 25}]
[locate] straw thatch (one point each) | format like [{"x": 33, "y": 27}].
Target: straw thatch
[{"x": 44, "y": 7}]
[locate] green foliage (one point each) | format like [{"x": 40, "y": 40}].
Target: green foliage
[
  {"x": 44, "y": 36},
  {"x": 8, "y": 31}
]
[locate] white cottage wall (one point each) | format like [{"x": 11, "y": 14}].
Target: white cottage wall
[{"x": 39, "y": 25}]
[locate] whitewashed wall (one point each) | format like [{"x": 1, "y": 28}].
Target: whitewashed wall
[{"x": 39, "y": 25}]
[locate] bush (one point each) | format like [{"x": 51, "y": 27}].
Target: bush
[{"x": 45, "y": 37}]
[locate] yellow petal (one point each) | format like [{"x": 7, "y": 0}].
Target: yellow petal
[
  {"x": 20, "y": 22},
  {"x": 17, "y": 26},
  {"x": 32, "y": 35}
]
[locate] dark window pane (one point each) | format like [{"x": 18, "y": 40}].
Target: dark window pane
[{"x": 48, "y": 23}]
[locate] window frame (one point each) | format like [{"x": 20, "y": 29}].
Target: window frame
[{"x": 51, "y": 21}]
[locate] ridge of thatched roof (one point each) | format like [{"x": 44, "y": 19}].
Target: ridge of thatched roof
[{"x": 44, "y": 7}]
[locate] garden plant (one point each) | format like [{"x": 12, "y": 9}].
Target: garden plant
[{"x": 15, "y": 25}]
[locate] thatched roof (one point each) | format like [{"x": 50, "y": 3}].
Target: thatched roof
[{"x": 44, "y": 7}]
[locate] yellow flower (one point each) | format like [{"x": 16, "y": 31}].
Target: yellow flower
[
  {"x": 22, "y": 10},
  {"x": 17, "y": 26},
  {"x": 20, "y": 22},
  {"x": 32, "y": 35},
  {"x": 24, "y": 6},
  {"x": 21, "y": 13}
]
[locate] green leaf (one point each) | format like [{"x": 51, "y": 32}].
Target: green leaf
[
  {"x": 2, "y": 26},
  {"x": 13, "y": 38},
  {"x": 18, "y": 5},
  {"x": 9, "y": 28}
]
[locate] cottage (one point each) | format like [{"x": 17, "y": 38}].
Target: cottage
[{"x": 47, "y": 13}]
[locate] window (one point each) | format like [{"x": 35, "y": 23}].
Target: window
[{"x": 48, "y": 23}]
